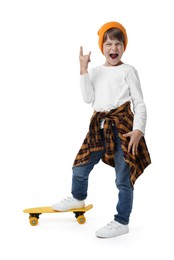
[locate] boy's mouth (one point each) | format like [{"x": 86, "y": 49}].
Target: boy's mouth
[{"x": 113, "y": 55}]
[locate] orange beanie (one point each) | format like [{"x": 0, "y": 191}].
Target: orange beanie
[{"x": 108, "y": 26}]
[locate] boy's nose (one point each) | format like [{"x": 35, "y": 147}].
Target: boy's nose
[{"x": 114, "y": 48}]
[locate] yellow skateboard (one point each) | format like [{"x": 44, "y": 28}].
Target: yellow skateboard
[{"x": 34, "y": 213}]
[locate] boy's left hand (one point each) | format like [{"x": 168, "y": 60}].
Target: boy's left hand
[{"x": 135, "y": 137}]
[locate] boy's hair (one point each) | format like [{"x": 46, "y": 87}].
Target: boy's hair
[{"x": 114, "y": 33}]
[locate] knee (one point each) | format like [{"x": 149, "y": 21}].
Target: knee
[
  {"x": 79, "y": 173},
  {"x": 123, "y": 184}
]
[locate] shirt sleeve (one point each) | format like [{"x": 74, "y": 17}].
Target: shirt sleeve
[
  {"x": 139, "y": 108},
  {"x": 87, "y": 89}
]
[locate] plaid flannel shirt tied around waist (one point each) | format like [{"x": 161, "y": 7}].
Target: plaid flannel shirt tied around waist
[{"x": 122, "y": 119}]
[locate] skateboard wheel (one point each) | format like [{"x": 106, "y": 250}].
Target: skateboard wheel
[
  {"x": 81, "y": 219},
  {"x": 33, "y": 221}
]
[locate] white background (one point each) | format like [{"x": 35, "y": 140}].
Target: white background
[{"x": 43, "y": 121}]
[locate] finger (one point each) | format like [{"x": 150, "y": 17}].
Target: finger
[
  {"x": 136, "y": 152},
  {"x": 133, "y": 149},
  {"x": 89, "y": 54},
  {"x": 81, "y": 51},
  {"x": 129, "y": 146},
  {"x": 128, "y": 134}
]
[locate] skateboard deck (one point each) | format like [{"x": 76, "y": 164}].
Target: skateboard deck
[{"x": 34, "y": 213}]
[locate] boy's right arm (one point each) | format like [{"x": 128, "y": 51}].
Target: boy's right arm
[{"x": 85, "y": 83}]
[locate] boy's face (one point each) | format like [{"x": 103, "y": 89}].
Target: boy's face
[{"x": 113, "y": 51}]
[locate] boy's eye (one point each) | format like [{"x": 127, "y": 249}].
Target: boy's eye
[{"x": 117, "y": 44}]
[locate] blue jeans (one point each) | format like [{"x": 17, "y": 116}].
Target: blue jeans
[{"x": 125, "y": 195}]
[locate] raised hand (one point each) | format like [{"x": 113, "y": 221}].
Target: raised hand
[{"x": 84, "y": 60}]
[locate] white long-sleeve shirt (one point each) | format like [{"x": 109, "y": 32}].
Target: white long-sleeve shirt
[{"x": 107, "y": 88}]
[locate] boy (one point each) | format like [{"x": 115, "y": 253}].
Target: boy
[{"x": 116, "y": 135}]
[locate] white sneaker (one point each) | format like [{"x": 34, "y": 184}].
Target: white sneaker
[
  {"x": 68, "y": 203},
  {"x": 113, "y": 229}
]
